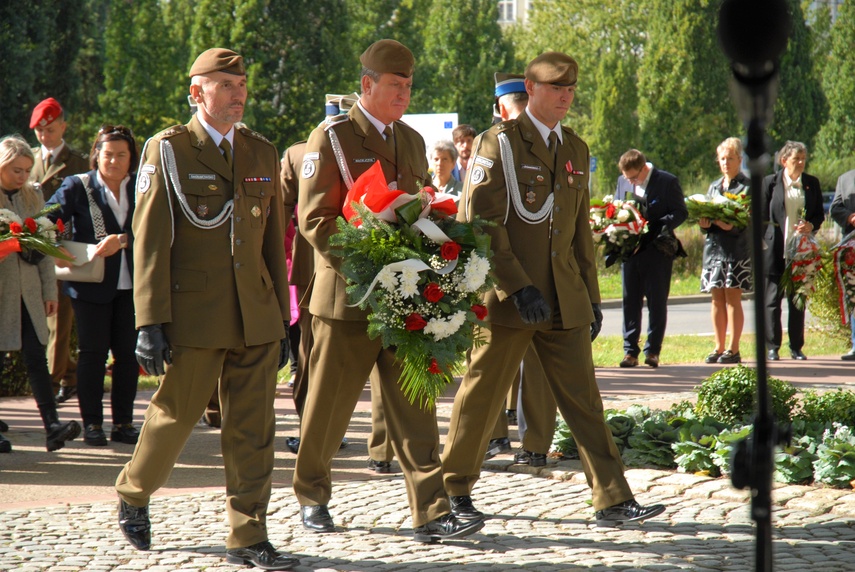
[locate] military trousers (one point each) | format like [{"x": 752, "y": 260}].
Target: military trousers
[
  {"x": 342, "y": 359},
  {"x": 569, "y": 369},
  {"x": 247, "y": 381},
  {"x": 63, "y": 368}
]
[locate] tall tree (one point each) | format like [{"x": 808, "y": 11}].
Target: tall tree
[
  {"x": 85, "y": 118},
  {"x": 801, "y": 106},
  {"x": 466, "y": 50},
  {"x": 837, "y": 136},
  {"x": 684, "y": 110}
]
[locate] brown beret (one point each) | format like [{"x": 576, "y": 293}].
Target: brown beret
[
  {"x": 389, "y": 56},
  {"x": 553, "y": 67},
  {"x": 218, "y": 59}
]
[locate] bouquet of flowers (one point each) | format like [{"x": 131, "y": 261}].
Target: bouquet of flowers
[
  {"x": 804, "y": 261},
  {"x": 617, "y": 226},
  {"x": 732, "y": 208},
  {"x": 36, "y": 233},
  {"x": 843, "y": 255},
  {"x": 421, "y": 274}
]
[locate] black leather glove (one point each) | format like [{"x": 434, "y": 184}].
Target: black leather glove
[
  {"x": 597, "y": 324},
  {"x": 153, "y": 350},
  {"x": 531, "y": 305},
  {"x": 284, "y": 347}
]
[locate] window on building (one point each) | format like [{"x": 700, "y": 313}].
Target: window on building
[{"x": 507, "y": 11}]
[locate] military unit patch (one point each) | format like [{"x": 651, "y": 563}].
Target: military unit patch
[
  {"x": 313, "y": 156},
  {"x": 150, "y": 169},
  {"x": 484, "y": 161},
  {"x": 308, "y": 169},
  {"x": 143, "y": 182},
  {"x": 478, "y": 175},
  {"x": 256, "y": 212}
]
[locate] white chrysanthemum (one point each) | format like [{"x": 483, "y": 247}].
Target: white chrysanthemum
[
  {"x": 623, "y": 215},
  {"x": 8, "y": 217},
  {"x": 44, "y": 222},
  {"x": 441, "y": 328},
  {"x": 409, "y": 282},
  {"x": 387, "y": 279},
  {"x": 474, "y": 273},
  {"x": 608, "y": 198}
]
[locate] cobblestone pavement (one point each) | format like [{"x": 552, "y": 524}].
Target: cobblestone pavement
[{"x": 536, "y": 523}]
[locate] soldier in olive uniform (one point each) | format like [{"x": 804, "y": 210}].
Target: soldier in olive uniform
[
  {"x": 529, "y": 176},
  {"x": 55, "y": 160},
  {"x": 343, "y": 355},
  {"x": 211, "y": 298}
]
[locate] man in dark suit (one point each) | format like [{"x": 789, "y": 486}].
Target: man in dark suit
[
  {"x": 647, "y": 273},
  {"x": 793, "y": 203},
  {"x": 55, "y": 160},
  {"x": 343, "y": 355},
  {"x": 546, "y": 292},
  {"x": 211, "y": 299}
]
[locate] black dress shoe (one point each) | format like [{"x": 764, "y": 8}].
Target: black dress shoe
[
  {"x": 293, "y": 444},
  {"x": 848, "y": 356},
  {"x": 496, "y": 446},
  {"x": 523, "y": 457},
  {"x": 94, "y": 436},
  {"x": 135, "y": 525},
  {"x": 772, "y": 355},
  {"x": 5, "y": 445},
  {"x": 462, "y": 508},
  {"x": 59, "y": 433},
  {"x": 125, "y": 433},
  {"x": 797, "y": 354},
  {"x": 65, "y": 393},
  {"x": 317, "y": 518},
  {"x": 447, "y": 526},
  {"x": 261, "y": 555},
  {"x": 627, "y": 511},
  {"x": 382, "y": 467}
]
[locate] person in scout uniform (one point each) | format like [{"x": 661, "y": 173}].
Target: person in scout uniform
[
  {"x": 211, "y": 297},
  {"x": 536, "y": 417},
  {"x": 343, "y": 355},
  {"x": 55, "y": 160},
  {"x": 530, "y": 177}
]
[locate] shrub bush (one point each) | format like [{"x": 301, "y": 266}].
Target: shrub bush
[
  {"x": 730, "y": 395},
  {"x": 829, "y": 407},
  {"x": 13, "y": 376}
]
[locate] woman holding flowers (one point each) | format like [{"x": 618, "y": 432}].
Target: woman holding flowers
[
  {"x": 792, "y": 200},
  {"x": 727, "y": 257},
  {"x": 28, "y": 292}
]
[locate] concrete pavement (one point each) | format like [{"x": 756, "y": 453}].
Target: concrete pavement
[{"x": 58, "y": 510}]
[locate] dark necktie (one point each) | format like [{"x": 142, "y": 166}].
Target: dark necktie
[
  {"x": 227, "y": 151},
  {"x": 48, "y": 161},
  {"x": 553, "y": 147},
  {"x": 390, "y": 138}
]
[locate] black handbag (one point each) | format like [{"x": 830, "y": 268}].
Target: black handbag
[{"x": 668, "y": 244}]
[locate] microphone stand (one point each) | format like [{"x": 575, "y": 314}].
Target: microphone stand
[{"x": 753, "y": 34}]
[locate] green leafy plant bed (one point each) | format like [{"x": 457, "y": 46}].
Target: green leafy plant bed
[{"x": 700, "y": 438}]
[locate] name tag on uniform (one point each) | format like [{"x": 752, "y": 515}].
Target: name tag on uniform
[
  {"x": 313, "y": 156},
  {"x": 365, "y": 160},
  {"x": 202, "y": 176},
  {"x": 483, "y": 161},
  {"x": 530, "y": 167}
]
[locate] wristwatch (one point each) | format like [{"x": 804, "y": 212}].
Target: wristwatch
[{"x": 123, "y": 240}]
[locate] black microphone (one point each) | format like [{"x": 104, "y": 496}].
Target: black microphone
[{"x": 753, "y": 34}]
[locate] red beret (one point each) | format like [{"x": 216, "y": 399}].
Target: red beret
[{"x": 46, "y": 113}]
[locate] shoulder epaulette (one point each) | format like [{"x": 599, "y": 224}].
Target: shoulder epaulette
[
  {"x": 335, "y": 119},
  {"x": 171, "y": 131},
  {"x": 505, "y": 125},
  {"x": 254, "y": 134}
]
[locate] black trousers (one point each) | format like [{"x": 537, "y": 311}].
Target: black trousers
[
  {"x": 102, "y": 328},
  {"x": 645, "y": 275},
  {"x": 35, "y": 361},
  {"x": 795, "y": 319}
]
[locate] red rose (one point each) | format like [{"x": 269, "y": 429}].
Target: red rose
[
  {"x": 434, "y": 367},
  {"x": 414, "y": 322},
  {"x": 610, "y": 211},
  {"x": 31, "y": 225},
  {"x": 433, "y": 293},
  {"x": 450, "y": 250},
  {"x": 480, "y": 311},
  {"x": 60, "y": 226},
  {"x": 15, "y": 228}
]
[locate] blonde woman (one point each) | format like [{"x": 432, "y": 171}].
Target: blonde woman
[
  {"x": 727, "y": 258},
  {"x": 28, "y": 293}
]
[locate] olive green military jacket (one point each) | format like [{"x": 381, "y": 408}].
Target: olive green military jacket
[
  {"x": 211, "y": 290},
  {"x": 323, "y": 191},
  {"x": 68, "y": 162},
  {"x": 556, "y": 255},
  {"x": 302, "y": 253}
]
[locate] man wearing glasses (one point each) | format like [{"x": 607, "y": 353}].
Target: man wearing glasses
[{"x": 647, "y": 273}]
